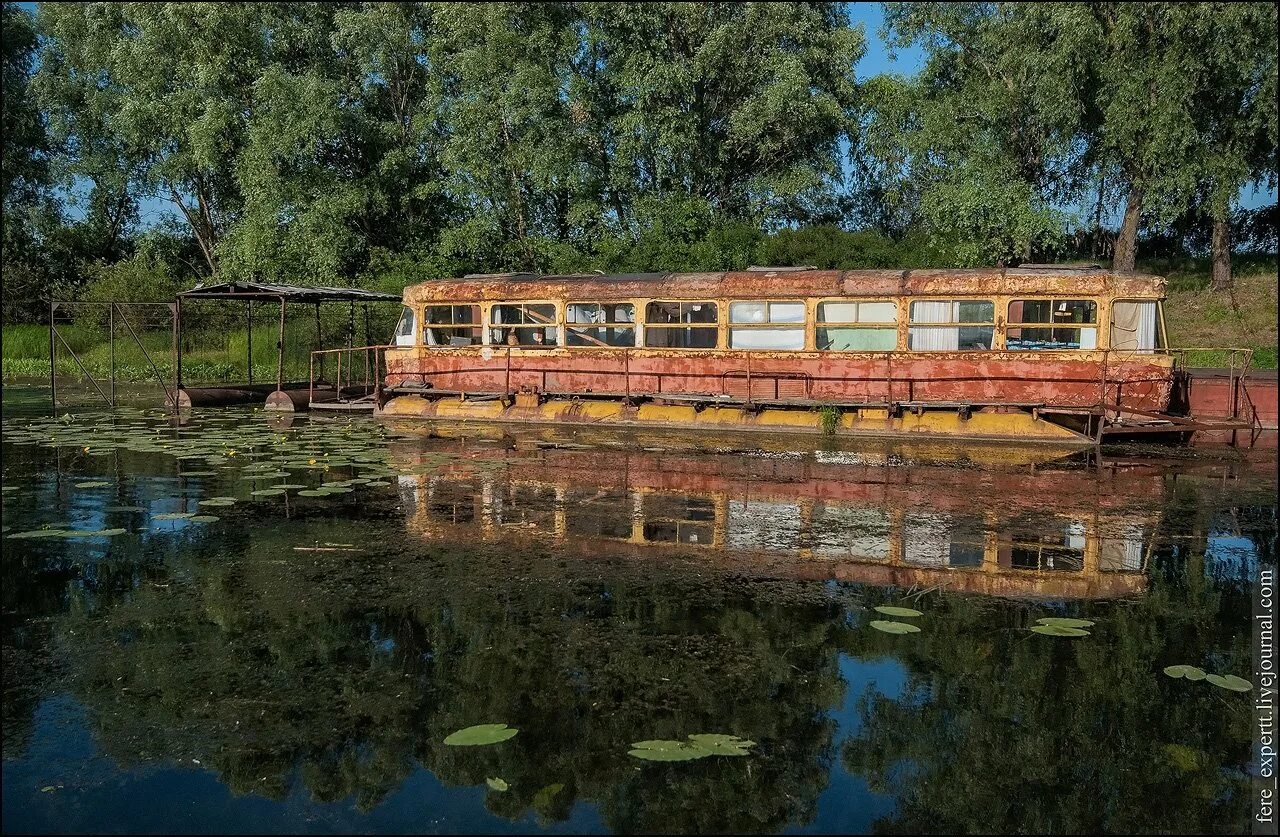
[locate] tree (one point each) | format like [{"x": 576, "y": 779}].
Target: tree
[
  {"x": 163, "y": 88},
  {"x": 740, "y": 106},
  {"x": 1235, "y": 114},
  {"x": 982, "y": 144}
]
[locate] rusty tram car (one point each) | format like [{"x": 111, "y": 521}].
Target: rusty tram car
[{"x": 1035, "y": 353}]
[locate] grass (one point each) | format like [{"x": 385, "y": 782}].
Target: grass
[{"x": 1197, "y": 317}]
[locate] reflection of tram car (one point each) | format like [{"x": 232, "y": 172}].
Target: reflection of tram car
[
  {"x": 1032, "y": 353},
  {"x": 979, "y": 532}
]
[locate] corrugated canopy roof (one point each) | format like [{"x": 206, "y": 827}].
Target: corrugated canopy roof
[{"x": 291, "y": 293}]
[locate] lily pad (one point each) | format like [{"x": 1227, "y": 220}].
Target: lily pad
[
  {"x": 894, "y": 627},
  {"x": 93, "y": 484},
  {"x": 1058, "y": 630},
  {"x": 658, "y": 750},
  {"x": 722, "y": 745},
  {"x": 1229, "y": 681},
  {"x": 218, "y": 501},
  {"x": 1189, "y": 672},
  {"x": 312, "y": 492},
  {"x": 173, "y": 516},
  {"x": 267, "y": 492},
  {"x": 38, "y": 533},
  {"x": 204, "y": 518},
  {"x": 1065, "y": 622},
  {"x": 893, "y": 610},
  {"x": 481, "y": 734},
  {"x": 497, "y": 784}
]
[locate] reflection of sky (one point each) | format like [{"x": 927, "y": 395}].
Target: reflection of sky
[
  {"x": 191, "y": 799},
  {"x": 1229, "y": 555},
  {"x": 847, "y": 805}
]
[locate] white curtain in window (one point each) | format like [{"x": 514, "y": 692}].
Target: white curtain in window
[
  {"x": 934, "y": 338},
  {"x": 1133, "y": 326}
]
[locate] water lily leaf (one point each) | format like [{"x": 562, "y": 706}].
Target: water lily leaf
[
  {"x": 39, "y": 533},
  {"x": 93, "y": 484},
  {"x": 1058, "y": 630},
  {"x": 1189, "y": 672},
  {"x": 267, "y": 492},
  {"x": 497, "y": 784},
  {"x": 894, "y": 627},
  {"x": 1230, "y": 681},
  {"x": 543, "y": 798},
  {"x": 311, "y": 492},
  {"x": 204, "y": 518},
  {"x": 1065, "y": 622},
  {"x": 481, "y": 734},
  {"x": 217, "y": 501},
  {"x": 722, "y": 745},
  {"x": 893, "y": 610},
  {"x": 172, "y": 516},
  {"x": 658, "y": 750}
]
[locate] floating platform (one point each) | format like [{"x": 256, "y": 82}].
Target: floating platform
[{"x": 911, "y": 421}]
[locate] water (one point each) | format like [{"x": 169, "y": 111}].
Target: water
[{"x": 295, "y": 664}]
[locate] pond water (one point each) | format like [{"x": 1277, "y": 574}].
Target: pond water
[{"x": 242, "y": 623}]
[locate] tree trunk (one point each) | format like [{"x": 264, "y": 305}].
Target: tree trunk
[
  {"x": 1127, "y": 240},
  {"x": 1221, "y": 255}
]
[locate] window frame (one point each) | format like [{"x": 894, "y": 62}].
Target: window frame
[
  {"x": 1096, "y": 325},
  {"x": 714, "y": 326},
  {"x": 423, "y": 325},
  {"x": 556, "y": 326},
  {"x": 633, "y": 324},
  {"x": 911, "y": 324},
  {"x": 412, "y": 334},
  {"x": 1162, "y": 337},
  {"x": 819, "y": 324},
  {"x": 768, "y": 325}
]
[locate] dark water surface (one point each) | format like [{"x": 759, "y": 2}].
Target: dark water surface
[{"x": 296, "y": 663}]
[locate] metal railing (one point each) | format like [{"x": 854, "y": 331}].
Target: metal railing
[{"x": 362, "y": 376}]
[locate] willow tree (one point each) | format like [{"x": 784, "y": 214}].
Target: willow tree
[
  {"x": 981, "y": 145},
  {"x": 165, "y": 89}
]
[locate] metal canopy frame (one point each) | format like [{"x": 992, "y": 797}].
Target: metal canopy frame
[{"x": 283, "y": 294}]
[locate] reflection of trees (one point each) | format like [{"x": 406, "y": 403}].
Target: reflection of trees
[
  {"x": 1002, "y": 731},
  {"x": 342, "y": 670}
]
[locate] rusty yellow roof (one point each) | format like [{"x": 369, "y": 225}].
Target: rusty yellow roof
[{"x": 757, "y": 283}]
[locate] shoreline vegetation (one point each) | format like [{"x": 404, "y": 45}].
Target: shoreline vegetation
[{"x": 1196, "y": 317}]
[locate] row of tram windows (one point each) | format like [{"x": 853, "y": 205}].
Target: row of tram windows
[{"x": 847, "y": 325}]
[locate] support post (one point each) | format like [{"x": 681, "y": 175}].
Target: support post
[
  {"x": 280, "y": 347},
  {"x": 319, "y": 344},
  {"x": 53, "y": 356},
  {"x": 177, "y": 349},
  {"x": 111, "y": 341},
  {"x": 248, "y": 316}
]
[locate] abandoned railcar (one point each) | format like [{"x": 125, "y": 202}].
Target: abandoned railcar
[{"x": 1030, "y": 353}]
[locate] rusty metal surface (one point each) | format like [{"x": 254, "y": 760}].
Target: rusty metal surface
[
  {"x": 784, "y": 285},
  {"x": 1144, "y": 382}
]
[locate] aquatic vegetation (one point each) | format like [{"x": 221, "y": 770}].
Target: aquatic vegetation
[
  {"x": 480, "y": 735},
  {"x": 1058, "y": 630},
  {"x": 890, "y": 627},
  {"x": 1189, "y": 672},
  {"x": 1065, "y": 622},
  {"x": 1229, "y": 681},
  {"x": 497, "y": 784},
  {"x": 894, "y": 610},
  {"x": 699, "y": 746}
]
